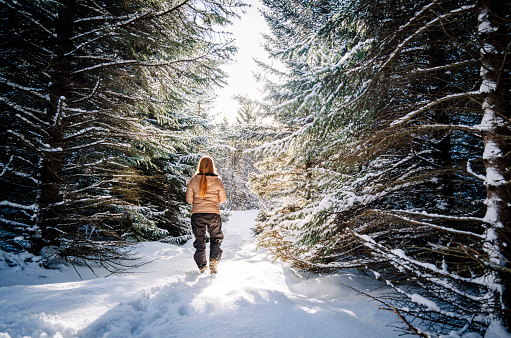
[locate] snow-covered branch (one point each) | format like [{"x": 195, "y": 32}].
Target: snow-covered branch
[
  {"x": 433, "y": 104},
  {"x": 29, "y": 16},
  {"x": 117, "y": 63},
  {"x": 472, "y": 172},
  {"x": 33, "y": 91},
  {"x": 422, "y": 29},
  {"x": 396, "y": 213},
  {"x": 24, "y": 110}
]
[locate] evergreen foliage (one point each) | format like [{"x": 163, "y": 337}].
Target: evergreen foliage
[
  {"x": 99, "y": 104},
  {"x": 385, "y": 137},
  {"x": 233, "y": 163}
]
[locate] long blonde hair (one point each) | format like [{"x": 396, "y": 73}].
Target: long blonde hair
[{"x": 206, "y": 166}]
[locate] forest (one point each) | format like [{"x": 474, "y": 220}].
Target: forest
[{"x": 382, "y": 143}]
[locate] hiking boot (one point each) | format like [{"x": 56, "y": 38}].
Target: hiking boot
[
  {"x": 212, "y": 266},
  {"x": 203, "y": 269}
]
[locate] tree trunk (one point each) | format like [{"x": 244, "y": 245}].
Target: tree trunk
[
  {"x": 441, "y": 141},
  {"x": 52, "y": 185},
  {"x": 493, "y": 37}
]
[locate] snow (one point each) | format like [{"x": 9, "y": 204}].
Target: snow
[
  {"x": 432, "y": 104},
  {"x": 84, "y": 131},
  {"x": 487, "y": 85},
  {"x": 472, "y": 172},
  {"x": 491, "y": 151},
  {"x": 251, "y": 296},
  {"x": 429, "y": 304},
  {"x": 32, "y": 207},
  {"x": 490, "y": 120},
  {"x": 494, "y": 177},
  {"x": 33, "y": 91},
  {"x": 484, "y": 22}
]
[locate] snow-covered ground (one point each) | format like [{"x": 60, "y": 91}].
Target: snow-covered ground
[{"x": 249, "y": 297}]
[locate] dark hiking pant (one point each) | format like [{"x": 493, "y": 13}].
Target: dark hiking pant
[{"x": 213, "y": 224}]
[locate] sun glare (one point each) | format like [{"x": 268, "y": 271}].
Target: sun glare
[{"x": 247, "y": 32}]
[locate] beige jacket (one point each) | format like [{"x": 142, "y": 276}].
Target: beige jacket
[{"x": 215, "y": 195}]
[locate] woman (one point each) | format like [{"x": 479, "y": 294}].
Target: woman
[{"x": 205, "y": 192}]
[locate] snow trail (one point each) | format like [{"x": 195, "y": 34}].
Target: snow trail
[{"x": 249, "y": 297}]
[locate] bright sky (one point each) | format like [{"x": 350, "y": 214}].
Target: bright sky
[{"x": 247, "y": 32}]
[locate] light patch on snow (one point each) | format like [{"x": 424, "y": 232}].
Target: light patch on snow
[{"x": 249, "y": 297}]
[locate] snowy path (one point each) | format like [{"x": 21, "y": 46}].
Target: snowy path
[{"x": 250, "y": 297}]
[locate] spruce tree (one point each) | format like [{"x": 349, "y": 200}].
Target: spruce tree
[
  {"x": 90, "y": 90},
  {"x": 381, "y": 113}
]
